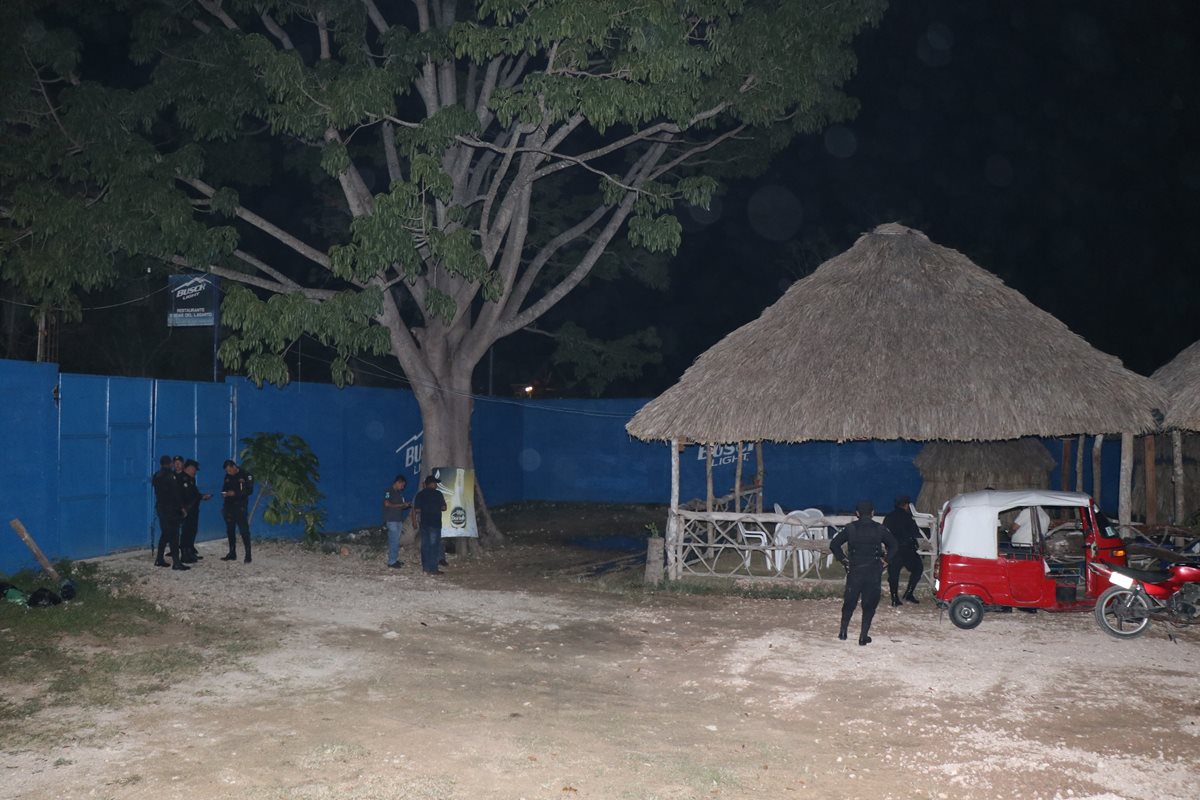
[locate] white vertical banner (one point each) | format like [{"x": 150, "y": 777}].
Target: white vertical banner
[{"x": 458, "y": 486}]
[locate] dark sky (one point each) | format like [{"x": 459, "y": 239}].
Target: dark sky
[{"x": 1056, "y": 144}]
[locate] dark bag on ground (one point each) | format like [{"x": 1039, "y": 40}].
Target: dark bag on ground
[{"x": 43, "y": 598}]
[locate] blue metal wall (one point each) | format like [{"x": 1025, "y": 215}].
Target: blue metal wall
[
  {"x": 28, "y": 459},
  {"x": 355, "y": 432},
  {"x": 78, "y": 452}
]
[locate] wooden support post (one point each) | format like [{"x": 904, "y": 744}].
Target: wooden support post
[
  {"x": 1125, "y": 495},
  {"x": 760, "y": 477},
  {"x": 708, "y": 502},
  {"x": 708, "y": 479},
  {"x": 737, "y": 479},
  {"x": 1097, "y": 475},
  {"x": 1150, "y": 483},
  {"x": 1079, "y": 462},
  {"x": 1177, "y": 474},
  {"x": 1064, "y": 472},
  {"x": 672, "y": 532}
]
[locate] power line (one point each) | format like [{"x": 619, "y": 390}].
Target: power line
[{"x": 90, "y": 308}]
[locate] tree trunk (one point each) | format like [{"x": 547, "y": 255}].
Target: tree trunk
[{"x": 446, "y": 420}]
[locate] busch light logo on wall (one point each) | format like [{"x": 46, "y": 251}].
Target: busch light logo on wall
[{"x": 193, "y": 301}]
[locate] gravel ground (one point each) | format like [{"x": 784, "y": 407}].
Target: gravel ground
[{"x": 505, "y": 679}]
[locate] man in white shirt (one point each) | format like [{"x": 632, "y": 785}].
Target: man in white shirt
[{"x": 1022, "y": 530}]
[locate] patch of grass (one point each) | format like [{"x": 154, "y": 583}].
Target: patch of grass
[
  {"x": 107, "y": 647},
  {"x": 104, "y": 605}
]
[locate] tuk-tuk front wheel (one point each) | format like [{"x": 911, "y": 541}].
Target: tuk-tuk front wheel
[
  {"x": 966, "y": 611},
  {"x": 1122, "y": 613}
]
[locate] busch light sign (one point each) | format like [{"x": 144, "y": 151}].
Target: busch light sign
[{"x": 193, "y": 301}]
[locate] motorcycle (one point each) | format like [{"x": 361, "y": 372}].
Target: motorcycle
[{"x": 1136, "y": 597}]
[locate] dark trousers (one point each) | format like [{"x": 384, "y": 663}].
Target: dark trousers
[
  {"x": 187, "y": 533},
  {"x": 907, "y": 558},
  {"x": 235, "y": 518},
  {"x": 431, "y": 547},
  {"x": 168, "y": 526},
  {"x": 862, "y": 584}
]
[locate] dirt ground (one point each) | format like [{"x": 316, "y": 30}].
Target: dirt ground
[{"x": 512, "y": 677}]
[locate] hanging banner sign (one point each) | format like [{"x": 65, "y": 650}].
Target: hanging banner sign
[
  {"x": 458, "y": 486},
  {"x": 193, "y": 301}
]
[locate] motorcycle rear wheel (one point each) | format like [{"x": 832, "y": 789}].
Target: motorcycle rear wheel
[{"x": 1122, "y": 613}]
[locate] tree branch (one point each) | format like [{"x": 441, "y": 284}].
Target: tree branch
[
  {"x": 703, "y": 148},
  {"x": 375, "y": 16},
  {"x": 214, "y": 7},
  {"x": 230, "y": 274},
  {"x": 588, "y": 260},
  {"x": 269, "y": 228},
  {"x": 310, "y": 292},
  {"x": 358, "y": 196},
  {"x": 323, "y": 36},
  {"x": 276, "y": 30},
  {"x": 388, "y": 134}
]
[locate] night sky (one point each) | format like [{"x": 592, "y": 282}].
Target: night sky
[{"x": 1056, "y": 144}]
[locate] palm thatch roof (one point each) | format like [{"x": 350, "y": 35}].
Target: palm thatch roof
[
  {"x": 1181, "y": 380},
  {"x": 900, "y": 338}
]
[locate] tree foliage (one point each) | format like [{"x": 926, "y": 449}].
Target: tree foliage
[
  {"x": 415, "y": 177},
  {"x": 287, "y": 471}
]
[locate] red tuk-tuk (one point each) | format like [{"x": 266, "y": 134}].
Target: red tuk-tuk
[{"x": 1026, "y": 549}]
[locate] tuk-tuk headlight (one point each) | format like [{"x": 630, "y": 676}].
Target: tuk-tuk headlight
[
  {"x": 1118, "y": 553},
  {"x": 937, "y": 584}
]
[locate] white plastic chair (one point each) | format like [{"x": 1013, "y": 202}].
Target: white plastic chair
[{"x": 754, "y": 534}]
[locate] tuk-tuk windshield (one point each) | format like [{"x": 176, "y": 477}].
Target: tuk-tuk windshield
[{"x": 1107, "y": 528}]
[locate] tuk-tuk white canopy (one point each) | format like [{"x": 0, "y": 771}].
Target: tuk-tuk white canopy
[{"x": 971, "y": 519}]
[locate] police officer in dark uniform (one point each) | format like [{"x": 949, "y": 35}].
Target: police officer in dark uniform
[
  {"x": 168, "y": 504},
  {"x": 902, "y": 525},
  {"x": 236, "y": 489},
  {"x": 191, "y": 507},
  {"x": 865, "y": 539}
]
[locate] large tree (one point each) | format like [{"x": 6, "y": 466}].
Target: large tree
[{"x": 414, "y": 177}]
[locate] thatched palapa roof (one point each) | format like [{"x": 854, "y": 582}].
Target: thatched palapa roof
[
  {"x": 900, "y": 338},
  {"x": 1181, "y": 380}
]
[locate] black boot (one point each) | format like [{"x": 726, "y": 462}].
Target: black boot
[
  {"x": 908, "y": 596},
  {"x": 895, "y": 599},
  {"x": 864, "y": 639},
  {"x": 230, "y": 556},
  {"x": 842, "y": 633}
]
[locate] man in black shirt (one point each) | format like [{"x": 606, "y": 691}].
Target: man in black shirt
[
  {"x": 236, "y": 489},
  {"x": 902, "y": 525},
  {"x": 191, "y": 506},
  {"x": 168, "y": 504},
  {"x": 865, "y": 538},
  {"x": 428, "y": 506}
]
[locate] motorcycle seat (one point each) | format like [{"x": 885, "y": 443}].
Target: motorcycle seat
[{"x": 1144, "y": 575}]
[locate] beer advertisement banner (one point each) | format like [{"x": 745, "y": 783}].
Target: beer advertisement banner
[
  {"x": 458, "y": 486},
  {"x": 193, "y": 301}
]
